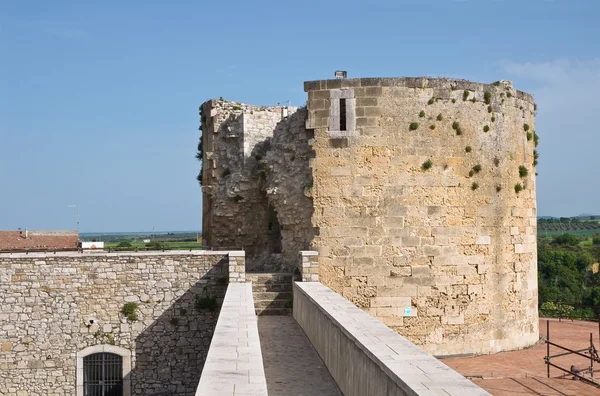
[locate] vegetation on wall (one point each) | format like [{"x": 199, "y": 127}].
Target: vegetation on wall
[
  {"x": 413, "y": 126},
  {"x": 427, "y": 165},
  {"x": 129, "y": 310}
]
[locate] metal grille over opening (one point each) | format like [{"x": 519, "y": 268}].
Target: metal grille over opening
[{"x": 103, "y": 375}]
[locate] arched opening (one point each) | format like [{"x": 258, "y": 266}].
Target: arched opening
[
  {"x": 103, "y": 375},
  {"x": 103, "y": 370}
]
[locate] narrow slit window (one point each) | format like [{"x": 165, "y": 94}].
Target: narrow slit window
[{"x": 342, "y": 114}]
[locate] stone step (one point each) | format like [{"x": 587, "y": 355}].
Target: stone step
[
  {"x": 265, "y": 278},
  {"x": 272, "y": 295},
  {"x": 273, "y": 287},
  {"x": 273, "y": 311},
  {"x": 282, "y": 303}
]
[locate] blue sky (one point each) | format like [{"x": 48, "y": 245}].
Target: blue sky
[{"x": 98, "y": 100}]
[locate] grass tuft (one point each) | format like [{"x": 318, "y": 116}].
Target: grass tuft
[
  {"x": 487, "y": 97},
  {"x": 523, "y": 171},
  {"x": 427, "y": 165},
  {"x": 413, "y": 126},
  {"x": 518, "y": 188},
  {"x": 468, "y": 149},
  {"x": 486, "y": 128}
]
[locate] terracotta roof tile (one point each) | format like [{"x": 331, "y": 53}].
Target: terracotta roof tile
[{"x": 38, "y": 240}]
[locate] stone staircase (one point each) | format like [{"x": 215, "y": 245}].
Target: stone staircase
[{"x": 272, "y": 292}]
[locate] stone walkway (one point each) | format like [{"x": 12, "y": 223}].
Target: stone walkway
[{"x": 292, "y": 366}]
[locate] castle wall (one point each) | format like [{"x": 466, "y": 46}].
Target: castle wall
[
  {"x": 445, "y": 258},
  {"x": 255, "y": 169},
  {"x": 48, "y": 300}
]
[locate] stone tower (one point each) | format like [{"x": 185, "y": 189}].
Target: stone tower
[{"x": 418, "y": 193}]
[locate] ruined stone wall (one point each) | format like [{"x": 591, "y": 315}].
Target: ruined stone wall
[
  {"x": 419, "y": 219},
  {"x": 255, "y": 170},
  {"x": 48, "y": 300}
]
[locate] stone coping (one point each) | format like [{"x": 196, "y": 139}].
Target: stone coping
[
  {"x": 413, "y": 82},
  {"x": 101, "y": 253},
  {"x": 234, "y": 365},
  {"x": 414, "y": 371}
]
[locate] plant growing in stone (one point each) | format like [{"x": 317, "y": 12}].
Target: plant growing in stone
[
  {"x": 439, "y": 117},
  {"x": 430, "y": 101},
  {"x": 413, "y": 126},
  {"x": 473, "y": 100},
  {"x": 474, "y": 186},
  {"x": 471, "y": 173},
  {"x": 525, "y": 127},
  {"x": 487, "y": 97},
  {"x": 455, "y": 125},
  {"x": 489, "y": 109},
  {"x": 486, "y": 128},
  {"x": 468, "y": 149},
  {"x": 529, "y": 136},
  {"x": 459, "y": 131},
  {"x": 477, "y": 168},
  {"x": 523, "y": 171},
  {"x": 427, "y": 165},
  {"x": 536, "y": 138},
  {"x": 465, "y": 95},
  {"x": 496, "y": 161},
  {"x": 493, "y": 119},
  {"x": 129, "y": 310},
  {"x": 498, "y": 188},
  {"x": 422, "y": 113},
  {"x": 518, "y": 188},
  {"x": 508, "y": 95},
  {"x": 453, "y": 100},
  {"x": 432, "y": 127}
]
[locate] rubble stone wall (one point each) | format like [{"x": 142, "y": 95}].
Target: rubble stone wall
[
  {"x": 255, "y": 174},
  {"x": 419, "y": 221},
  {"x": 55, "y": 305}
]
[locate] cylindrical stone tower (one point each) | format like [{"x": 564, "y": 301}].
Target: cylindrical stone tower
[{"x": 424, "y": 201}]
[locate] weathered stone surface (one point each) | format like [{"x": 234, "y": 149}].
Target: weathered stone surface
[
  {"x": 169, "y": 340},
  {"x": 385, "y": 225}
]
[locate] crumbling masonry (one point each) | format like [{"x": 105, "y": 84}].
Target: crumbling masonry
[{"x": 409, "y": 189}]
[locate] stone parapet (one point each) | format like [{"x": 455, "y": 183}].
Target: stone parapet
[
  {"x": 234, "y": 366},
  {"x": 364, "y": 356},
  {"x": 237, "y": 266},
  {"x": 309, "y": 265}
]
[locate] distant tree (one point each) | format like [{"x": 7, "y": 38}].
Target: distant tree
[
  {"x": 124, "y": 244},
  {"x": 565, "y": 239},
  {"x": 155, "y": 245}
]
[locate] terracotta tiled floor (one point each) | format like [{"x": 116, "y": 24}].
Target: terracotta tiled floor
[{"x": 524, "y": 372}]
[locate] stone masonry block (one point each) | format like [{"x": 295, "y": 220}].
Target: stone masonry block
[
  {"x": 420, "y": 271},
  {"x": 483, "y": 240},
  {"x": 340, "y": 171}
]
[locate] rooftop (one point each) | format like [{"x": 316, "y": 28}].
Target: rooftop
[{"x": 38, "y": 240}]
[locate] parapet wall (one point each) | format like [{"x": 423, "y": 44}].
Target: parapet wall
[
  {"x": 365, "y": 357},
  {"x": 48, "y": 303},
  {"x": 419, "y": 220}
]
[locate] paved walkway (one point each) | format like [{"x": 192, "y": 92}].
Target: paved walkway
[
  {"x": 292, "y": 366},
  {"x": 524, "y": 372}
]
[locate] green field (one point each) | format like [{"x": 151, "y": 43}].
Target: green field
[
  {"x": 167, "y": 245},
  {"x": 581, "y": 233}
]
